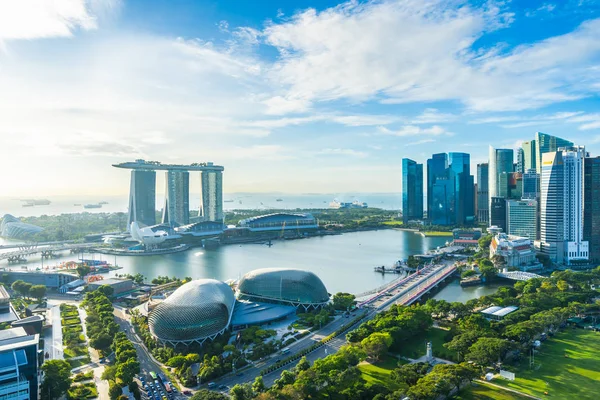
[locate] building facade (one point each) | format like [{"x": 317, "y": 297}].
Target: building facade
[
  {"x": 212, "y": 196},
  {"x": 498, "y": 213},
  {"x": 464, "y": 186},
  {"x": 561, "y": 211},
  {"x": 520, "y": 160},
  {"x": 483, "y": 204},
  {"x": 521, "y": 218},
  {"x": 517, "y": 252},
  {"x": 591, "y": 209},
  {"x": 437, "y": 167},
  {"x": 19, "y": 364},
  {"x": 412, "y": 190},
  {"x": 142, "y": 197},
  {"x": 500, "y": 160},
  {"x": 528, "y": 155},
  {"x": 176, "y": 211},
  {"x": 545, "y": 143},
  {"x": 531, "y": 184}
]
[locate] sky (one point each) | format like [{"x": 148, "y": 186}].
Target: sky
[{"x": 297, "y": 96}]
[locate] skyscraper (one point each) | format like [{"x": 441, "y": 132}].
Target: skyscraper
[
  {"x": 177, "y": 198},
  {"x": 412, "y": 190},
  {"x": 520, "y": 160},
  {"x": 500, "y": 160},
  {"x": 531, "y": 184},
  {"x": 442, "y": 210},
  {"x": 545, "y": 143},
  {"x": 561, "y": 214},
  {"x": 483, "y": 203},
  {"x": 142, "y": 197},
  {"x": 528, "y": 155},
  {"x": 437, "y": 167},
  {"x": 212, "y": 196},
  {"x": 460, "y": 171},
  {"x": 591, "y": 209},
  {"x": 498, "y": 212},
  {"x": 521, "y": 218}
]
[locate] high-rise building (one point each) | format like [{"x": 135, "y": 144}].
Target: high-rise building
[
  {"x": 528, "y": 155},
  {"x": 19, "y": 364},
  {"x": 561, "y": 211},
  {"x": 510, "y": 185},
  {"x": 412, "y": 190},
  {"x": 500, "y": 160},
  {"x": 591, "y": 209},
  {"x": 437, "y": 167},
  {"x": 460, "y": 170},
  {"x": 498, "y": 212},
  {"x": 142, "y": 197},
  {"x": 442, "y": 208},
  {"x": 483, "y": 204},
  {"x": 177, "y": 198},
  {"x": 545, "y": 143},
  {"x": 521, "y": 218},
  {"x": 520, "y": 160},
  {"x": 212, "y": 196},
  {"x": 531, "y": 184}
]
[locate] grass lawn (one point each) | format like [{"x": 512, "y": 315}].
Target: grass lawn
[
  {"x": 380, "y": 372},
  {"x": 484, "y": 392},
  {"x": 79, "y": 362},
  {"x": 393, "y": 223},
  {"x": 83, "y": 391},
  {"x": 71, "y": 321},
  {"x": 75, "y": 351},
  {"x": 437, "y": 233},
  {"x": 417, "y": 347},
  {"x": 574, "y": 377}
]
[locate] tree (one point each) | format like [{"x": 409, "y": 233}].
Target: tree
[
  {"x": 562, "y": 285},
  {"x": 114, "y": 390},
  {"x": 242, "y": 392},
  {"x": 303, "y": 364},
  {"x": 259, "y": 385},
  {"x": 106, "y": 290},
  {"x": 57, "y": 379},
  {"x": 409, "y": 374},
  {"x": 377, "y": 344},
  {"x": 343, "y": 301},
  {"x": 204, "y": 394},
  {"x": 461, "y": 343},
  {"x": 83, "y": 270},
  {"x": 101, "y": 341},
  {"x": 21, "y": 287},
  {"x": 486, "y": 351},
  {"x": 38, "y": 292},
  {"x": 126, "y": 371},
  {"x": 484, "y": 242}
]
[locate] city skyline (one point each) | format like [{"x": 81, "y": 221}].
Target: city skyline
[{"x": 88, "y": 84}]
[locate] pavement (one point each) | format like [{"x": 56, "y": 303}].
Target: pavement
[{"x": 53, "y": 336}]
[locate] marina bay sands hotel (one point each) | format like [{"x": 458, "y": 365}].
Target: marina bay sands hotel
[{"x": 176, "y": 211}]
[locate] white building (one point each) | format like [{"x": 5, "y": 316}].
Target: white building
[
  {"x": 561, "y": 211},
  {"x": 518, "y": 252}
]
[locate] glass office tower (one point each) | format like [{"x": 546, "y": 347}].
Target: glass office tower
[
  {"x": 460, "y": 170},
  {"x": 412, "y": 190},
  {"x": 545, "y": 143},
  {"x": 437, "y": 167},
  {"x": 212, "y": 196},
  {"x": 500, "y": 160},
  {"x": 498, "y": 212},
  {"x": 528, "y": 155},
  {"x": 442, "y": 211},
  {"x": 483, "y": 205},
  {"x": 521, "y": 218},
  {"x": 591, "y": 213},
  {"x": 142, "y": 197}
]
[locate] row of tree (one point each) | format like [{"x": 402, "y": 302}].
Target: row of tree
[{"x": 28, "y": 290}]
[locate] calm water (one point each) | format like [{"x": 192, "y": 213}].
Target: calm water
[{"x": 344, "y": 262}]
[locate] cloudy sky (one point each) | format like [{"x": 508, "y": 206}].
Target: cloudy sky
[{"x": 294, "y": 96}]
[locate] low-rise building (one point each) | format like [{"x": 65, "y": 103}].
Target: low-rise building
[
  {"x": 18, "y": 364},
  {"x": 119, "y": 285},
  {"x": 497, "y": 313},
  {"x": 466, "y": 237},
  {"x": 517, "y": 252}
]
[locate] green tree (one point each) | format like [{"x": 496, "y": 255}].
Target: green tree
[
  {"x": 106, "y": 290},
  {"x": 83, "y": 270},
  {"x": 486, "y": 351},
  {"x": 102, "y": 341},
  {"x": 57, "y": 379},
  {"x": 484, "y": 242},
  {"x": 343, "y": 301},
  {"x": 377, "y": 344},
  {"x": 38, "y": 292},
  {"x": 204, "y": 394},
  {"x": 21, "y": 287},
  {"x": 114, "y": 390},
  {"x": 242, "y": 392},
  {"x": 409, "y": 374},
  {"x": 126, "y": 371},
  {"x": 259, "y": 385},
  {"x": 303, "y": 364}
]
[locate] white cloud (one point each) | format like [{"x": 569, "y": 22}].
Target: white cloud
[
  {"x": 413, "y": 130},
  {"x": 343, "y": 152},
  {"x": 418, "y": 142},
  {"x": 433, "y": 116},
  {"x": 32, "y": 19}
]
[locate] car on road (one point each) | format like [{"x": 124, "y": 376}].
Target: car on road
[
  {"x": 223, "y": 387},
  {"x": 187, "y": 392}
]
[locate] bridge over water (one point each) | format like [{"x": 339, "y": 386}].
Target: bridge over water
[
  {"x": 46, "y": 251},
  {"x": 519, "y": 275}
]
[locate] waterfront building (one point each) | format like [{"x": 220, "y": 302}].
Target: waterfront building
[
  {"x": 442, "y": 206},
  {"x": 500, "y": 160},
  {"x": 545, "y": 143},
  {"x": 176, "y": 211},
  {"x": 498, "y": 213},
  {"x": 522, "y": 218},
  {"x": 528, "y": 155},
  {"x": 197, "y": 311},
  {"x": 280, "y": 222},
  {"x": 142, "y": 197},
  {"x": 437, "y": 167},
  {"x": 591, "y": 209},
  {"x": 212, "y": 196},
  {"x": 520, "y": 167},
  {"x": 412, "y": 190},
  {"x": 517, "y": 252},
  {"x": 460, "y": 170},
  {"x": 301, "y": 289},
  {"x": 483, "y": 204},
  {"x": 13, "y": 228},
  {"x": 561, "y": 211},
  {"x": 19, "y": 364},
  {"x": 50, "y": 279}
]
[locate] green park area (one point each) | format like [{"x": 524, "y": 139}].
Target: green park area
[
  {"x": 567, "y": 366},
  {"x": 437, "y": 233},
  {"x": 380, "y": 372},
  {"x": 416, "y": 347},
  {"x": 479, "y": 391}
]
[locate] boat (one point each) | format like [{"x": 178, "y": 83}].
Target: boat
[
  {"x": 27, "y": 205},
  {"x": 103, "y": 202},
  {"x": 340, "y": 205},
  {"x": 36, "y": 202},
  {"x": 92, "y": 206},
  {"x": 228, "y": 201},
  {"x": 278, "y": 199}
]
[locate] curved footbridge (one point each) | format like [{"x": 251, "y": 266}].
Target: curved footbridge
[
  {"x": 46, "y": 251},
  {"x": 519, "y": 275},
  {"x": 410, "y": 289}
]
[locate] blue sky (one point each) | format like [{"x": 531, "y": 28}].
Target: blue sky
[{"x": 296, "y": 96}]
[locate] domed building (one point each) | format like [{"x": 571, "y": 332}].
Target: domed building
[
  {"x": 285, "y": 286},
  {"x": 199, "y": 310},
  {"x": 13, "y": 228}
]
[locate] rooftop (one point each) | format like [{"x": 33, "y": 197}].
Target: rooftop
[
  {"x": 156, "y": 166},
  {"x": 16, "y": 338},
  {"x": 109, "y": 281},
  {"x": 3, "y": 294}
]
